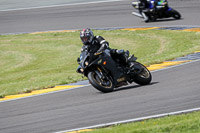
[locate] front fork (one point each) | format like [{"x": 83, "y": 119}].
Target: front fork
[
  {"x": 100, "y": 73},
  {"x": 103, "y": 78}
]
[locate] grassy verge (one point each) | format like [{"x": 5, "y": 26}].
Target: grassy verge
[
  {"x": 36, "y": 61},
  {"x": 185, "y": 123}
]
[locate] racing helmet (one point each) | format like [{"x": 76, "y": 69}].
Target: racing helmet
[{"x": 86, "y": 36}]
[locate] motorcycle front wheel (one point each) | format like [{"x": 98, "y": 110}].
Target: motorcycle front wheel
[
  {"x": 105, "y": 85},
  {"x": 175, "y": 14},
  {"x": 143, "y": 76}
]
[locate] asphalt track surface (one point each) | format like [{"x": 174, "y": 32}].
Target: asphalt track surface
[
  {"x": 100, "y": 15},
  {"x": 171, "y": 89}
]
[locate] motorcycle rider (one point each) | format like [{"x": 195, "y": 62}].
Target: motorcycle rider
[
  {"x": 97, "y": 44},
  {"x": 151, "y": 5}
]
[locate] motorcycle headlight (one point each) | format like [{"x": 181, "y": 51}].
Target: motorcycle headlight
[
  {"x": 86, "y": 63},
  {"x": 82, "y": 70}
]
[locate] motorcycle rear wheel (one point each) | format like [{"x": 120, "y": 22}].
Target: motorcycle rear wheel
[
  {"x": 144, "y": 77},
  {"x": 98, "y": 83}
]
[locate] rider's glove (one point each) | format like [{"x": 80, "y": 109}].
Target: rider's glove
[{"x": 98, "y": 52}]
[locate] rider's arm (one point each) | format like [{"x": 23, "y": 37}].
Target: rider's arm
[
  {"x": 85, "y": 48},
  {"x": 103, "y": 43}
]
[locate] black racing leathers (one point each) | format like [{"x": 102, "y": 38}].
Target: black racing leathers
[{"x": 98, "y": 45}]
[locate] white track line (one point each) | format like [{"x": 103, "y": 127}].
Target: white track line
[
  {"x": 39, "y": 7},
  {"x": 132, "y": 120}
]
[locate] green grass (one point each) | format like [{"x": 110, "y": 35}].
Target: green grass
[
  {"x": 36, "y": 61},
  {"x": 185, "y": 123}
]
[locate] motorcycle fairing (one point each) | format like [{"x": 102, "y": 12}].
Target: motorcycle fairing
[{"x": 110, "y": 65}]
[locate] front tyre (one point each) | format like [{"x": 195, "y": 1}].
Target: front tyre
[
  {"x": 144, "y": 76},
  {"x": 175, "y": 14},
  {"x": 105, "y": 85}
]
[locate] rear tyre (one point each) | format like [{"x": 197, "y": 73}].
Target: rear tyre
[
  {"x": 101, "y": 85},
  {"x": 144, "y": 77}
]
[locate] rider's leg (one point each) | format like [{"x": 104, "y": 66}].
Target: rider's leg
[
  {"x": 123, "y": 56},
  {"x": 146, "y": 18}
]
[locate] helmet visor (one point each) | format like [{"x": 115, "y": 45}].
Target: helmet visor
[{"x": 85, "y": 39}]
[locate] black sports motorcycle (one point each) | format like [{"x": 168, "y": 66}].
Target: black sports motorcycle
[
  {"x": 102, "y": 71},
  {"x": 150, "y": 14}
]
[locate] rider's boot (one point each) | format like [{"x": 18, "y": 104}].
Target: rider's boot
[{"x": 128, "y": 59}]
